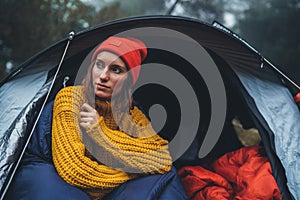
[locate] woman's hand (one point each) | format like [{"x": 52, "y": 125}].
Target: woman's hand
[{"x": 88, "y": 116}]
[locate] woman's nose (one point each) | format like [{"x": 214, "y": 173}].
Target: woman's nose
[{"x": 104, "y": 75}]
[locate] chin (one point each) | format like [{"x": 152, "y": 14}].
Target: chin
[{"x": 102, "y": 96}]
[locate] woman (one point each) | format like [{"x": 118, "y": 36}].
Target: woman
[
  {"x": 100, "y": 138},
  {"x": 93, "y": 142}
]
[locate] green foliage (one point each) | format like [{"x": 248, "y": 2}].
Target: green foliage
[
  {"x": 28, "y": 26},
  {"x": 272, "y": 27},
  {"x": 143, "y": 7},
  {"x": 204, "y": 10}
]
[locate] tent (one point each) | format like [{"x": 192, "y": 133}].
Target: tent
[{"x": 201, "y": 74}]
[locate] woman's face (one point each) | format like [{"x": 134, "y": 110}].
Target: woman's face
[{"x": 107, "y": 71}]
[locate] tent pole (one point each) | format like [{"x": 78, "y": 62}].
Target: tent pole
[
  {"x": 227, "y": 30},
  {"x": 282, "y": 74},
  {"x": 71, "y": 36}
]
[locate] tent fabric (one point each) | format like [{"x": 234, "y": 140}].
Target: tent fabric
[
  {"x": 17, "y": 115},
  {"x": 37, "y": 170},
  {"x": 277, "y": 107},
  {"x": 234, "y": 53}
]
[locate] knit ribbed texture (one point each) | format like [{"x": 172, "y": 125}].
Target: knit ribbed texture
[{"x": 109, "y": 156}]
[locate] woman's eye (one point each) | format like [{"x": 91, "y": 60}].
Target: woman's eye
[
  {"x": 99, "y": 64},
  {"x": 116, "y": 69}
]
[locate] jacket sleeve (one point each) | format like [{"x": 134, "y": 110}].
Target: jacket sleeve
[
  {"x": 68, "y": 151},
  {"x": 135, "y": 149}
]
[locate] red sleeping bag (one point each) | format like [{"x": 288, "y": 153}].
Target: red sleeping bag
[
  {"x": 200, "y": 183},
  {"x": 247, "y": 170}
]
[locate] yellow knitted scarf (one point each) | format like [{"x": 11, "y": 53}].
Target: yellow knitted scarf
[{"x": 105, "y": 156}]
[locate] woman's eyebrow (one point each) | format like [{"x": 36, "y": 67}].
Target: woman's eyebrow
[
  {"x": 119, "y": 65},
  {"x": 98, "y": 59}
]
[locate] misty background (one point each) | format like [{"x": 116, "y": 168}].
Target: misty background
[{"x": 29, "y": 26}]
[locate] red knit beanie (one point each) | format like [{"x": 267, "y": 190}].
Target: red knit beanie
[{"x": 131, "y": 50}]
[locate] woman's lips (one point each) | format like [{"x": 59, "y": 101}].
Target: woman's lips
[{"x": 101, "y": 86}]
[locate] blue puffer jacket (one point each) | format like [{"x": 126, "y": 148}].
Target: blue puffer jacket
[{"x": 37, "y": 179}]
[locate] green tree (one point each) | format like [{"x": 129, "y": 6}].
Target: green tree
[
  {"x": 28, "y": 26},
  {"x": 272, "y": 27},
  {"x": 204, "y": 10},
  {"x": 143, "y": 7}
]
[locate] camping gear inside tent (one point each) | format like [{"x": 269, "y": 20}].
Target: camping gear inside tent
[{"x": 203, "y": 76}]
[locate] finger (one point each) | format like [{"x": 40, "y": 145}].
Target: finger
[
  {"x": 83, "y": 120},
  {"x": 87, "y": 107},
  {"x": 89, "y": 114},
  {"x": 91, "y": 117},
  {"x": 86, "y": 114},
  {"x": 86, "y": 119}
]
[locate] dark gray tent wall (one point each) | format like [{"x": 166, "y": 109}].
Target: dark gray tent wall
[{"x": 255, "y": 93}]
